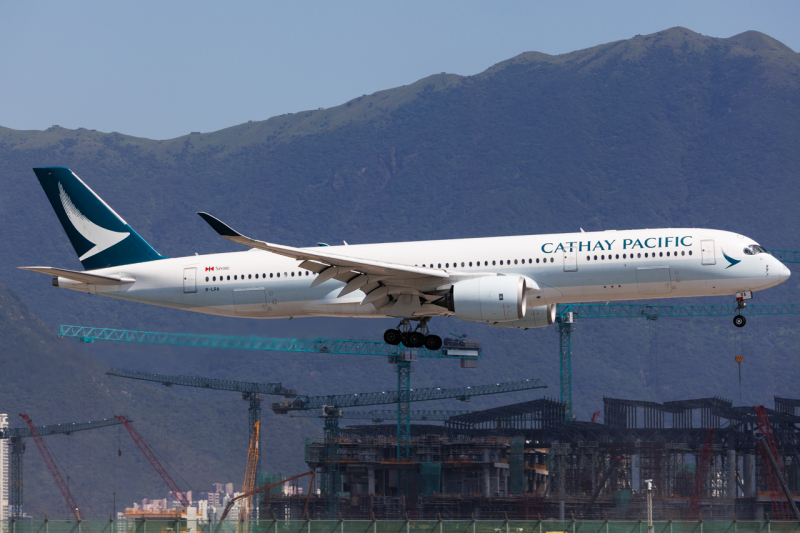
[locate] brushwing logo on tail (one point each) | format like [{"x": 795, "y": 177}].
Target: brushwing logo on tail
[{"x": 102, "y": 238}]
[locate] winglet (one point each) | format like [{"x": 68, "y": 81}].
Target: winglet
[{"x": 219, "y": 226}]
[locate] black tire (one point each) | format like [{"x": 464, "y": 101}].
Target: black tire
[
  {"x": 415, "y": 339},
  {"x": 739, "y": 321},
  {"x": 433, "y": 342},
  {"x": 391, "y": 336}
]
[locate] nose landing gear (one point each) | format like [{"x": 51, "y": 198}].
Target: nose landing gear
[
  {"x": 416, "y": 338},
  {"x": 739, "y": 321}
]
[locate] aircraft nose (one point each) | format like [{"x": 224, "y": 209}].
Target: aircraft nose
[{"x": 785, "y": 273}]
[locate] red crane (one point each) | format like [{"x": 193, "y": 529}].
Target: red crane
[
  {"x": 51, "y": 465},
  {"x": 780, "y": 508},
  {"x": 148, "y": 453},
  {"x": 700, "y": 475}
]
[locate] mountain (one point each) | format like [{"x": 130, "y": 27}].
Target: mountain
[{"x": 669, "y": 129}]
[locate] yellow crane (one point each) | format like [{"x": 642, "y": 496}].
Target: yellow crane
[{"x": 249, "y": 480}]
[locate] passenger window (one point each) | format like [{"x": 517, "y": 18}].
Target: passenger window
[
  {"x": 292, "y": 274},
  {"x": 588, "y": 257},
  {"x": 279, "y": 274},
  {"x": 215, "y": 278},
  {"x": 690, "y": 252},
  {"x": 447, "y": 265},
  {"x": 667, "y": 254},
  {"x": 470, "y": 263},
  {"x": 639, "y": 255},
  {"x": 440, "y": 265},
  {"x": 501, "y": 262},
  {"x": 515, "y": 261},
  {"x": 462, "y": 264},
  {"x": 256, "y": 276},
  {"x": 617, "y": 256},
  {"x": 306, "y": 272},
  {"x": 249, "y": 276},
  {"x": 595, "y": 258},
  {"x": 552, "y": 259},
  {"x": 270, "y": 274},
  {"x": 602, "y": 257},
  {"x": 660, "y": 254},
  {"x": 683, "y": 253},
  {"x": 486, "y": 263},
  {"x": 493, "y": 263},
  {"x": 235, "y": 277},
  {"x": 645, "y": 254}
]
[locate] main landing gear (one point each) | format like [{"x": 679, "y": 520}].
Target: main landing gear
[{"x": 416, "y": 338}]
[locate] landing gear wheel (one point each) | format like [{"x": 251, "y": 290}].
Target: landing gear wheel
[
  {"x": 739, "y": 321},
  {"x": 433, "y": 342},
  {"x": 414, "y": 339},
  {"x": 391, "y": 336}
]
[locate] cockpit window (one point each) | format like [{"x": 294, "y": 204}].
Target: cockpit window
[{"x": 754, "y": 249}]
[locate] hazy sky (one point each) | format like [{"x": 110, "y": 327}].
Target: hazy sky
[{"x": 164, "y": 69}]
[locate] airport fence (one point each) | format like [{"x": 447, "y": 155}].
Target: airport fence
[{"x": 393, "y": 526}]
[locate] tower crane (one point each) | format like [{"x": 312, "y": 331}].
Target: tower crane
[
  {"x": 567, "y": 316},
  {"x": 383, "y": 415},
  {"x": 249, "y": 478},
  {"x": 150, "y": 456},
  {"x": 16, "y": 441},
  {"x": 251, "y": 392},
  {"x": 331, "y": 406}
]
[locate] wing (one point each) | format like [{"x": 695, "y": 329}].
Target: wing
[
  {"x": 82, "y": 277},
  {"x": 358, "y": 273}
]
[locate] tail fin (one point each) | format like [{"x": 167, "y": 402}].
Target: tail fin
[{"x": 101, "y": 237}]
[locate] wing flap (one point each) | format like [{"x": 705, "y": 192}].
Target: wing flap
[{"x": 81, "y": 277}]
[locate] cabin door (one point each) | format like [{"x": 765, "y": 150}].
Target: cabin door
[
  {"x": 190, "y": 280},
  {"x": 707, "y": 252},
  {"x": 571, "y": 260}
]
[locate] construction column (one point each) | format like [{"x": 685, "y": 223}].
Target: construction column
[{"x": 731, "y": 463}]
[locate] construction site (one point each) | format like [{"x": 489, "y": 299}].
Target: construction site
[{"x": 687, "y": 461}]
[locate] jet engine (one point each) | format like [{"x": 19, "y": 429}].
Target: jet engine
[
  {"x": 536, "y": 317},
  {"x": 489, "y": 299}
]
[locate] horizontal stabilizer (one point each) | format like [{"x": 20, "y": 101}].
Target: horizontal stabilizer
[{"x": 81, "y": 277}]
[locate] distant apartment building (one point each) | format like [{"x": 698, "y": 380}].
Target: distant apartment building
[{"x": 4, "y": 472}]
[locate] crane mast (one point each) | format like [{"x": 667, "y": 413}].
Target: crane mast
[{"x": 51, "y": 465}]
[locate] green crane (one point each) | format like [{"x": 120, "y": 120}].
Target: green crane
[
  {"x": 251, "y": 392},
  {"x": 16, "y": 443},
  {"x": 383, "y": 415},
  {"x": 567, "y": 316}
]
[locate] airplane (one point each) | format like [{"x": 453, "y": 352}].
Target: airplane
[{"x": 506, "y": 282}]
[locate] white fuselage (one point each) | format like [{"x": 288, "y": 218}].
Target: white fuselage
[{"x": 568, "y": 268}]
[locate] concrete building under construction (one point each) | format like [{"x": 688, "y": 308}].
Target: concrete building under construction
[{"x": 704, "y": 458}]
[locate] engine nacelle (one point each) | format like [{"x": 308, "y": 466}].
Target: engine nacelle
[
  {"x": 536, "y": 317},
  {"x": 490, "y": 299}
]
